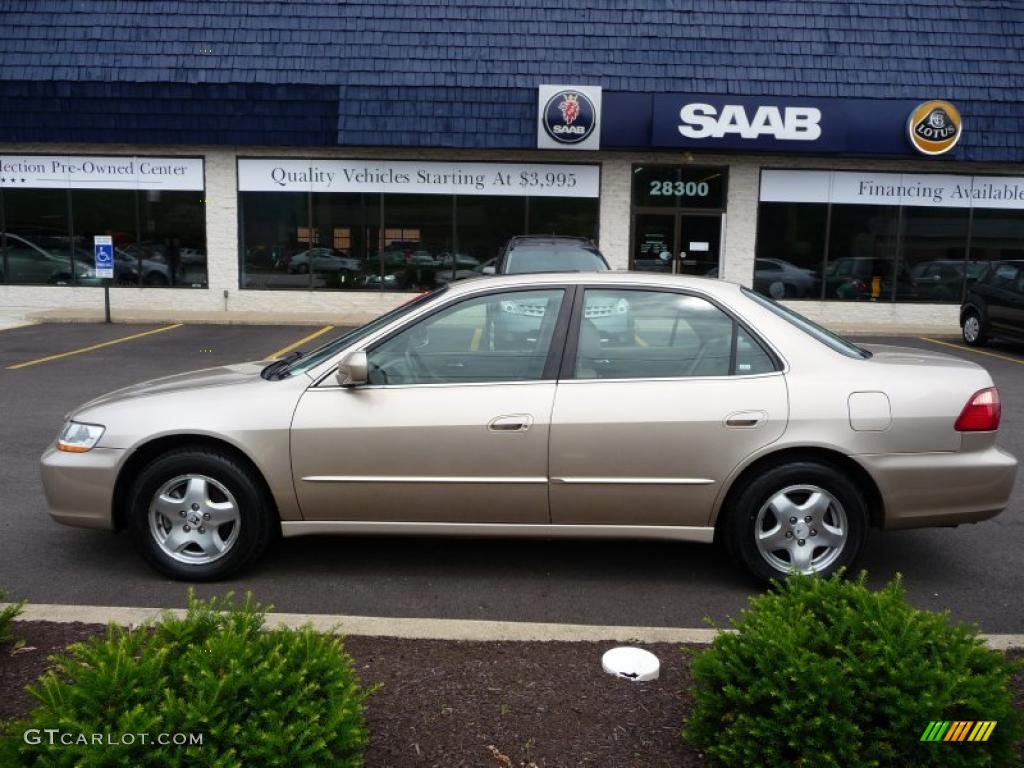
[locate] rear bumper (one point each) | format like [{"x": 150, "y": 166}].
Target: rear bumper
[
  {"x": 934, "y": 489},
  {"x": 79, "y": 487}
]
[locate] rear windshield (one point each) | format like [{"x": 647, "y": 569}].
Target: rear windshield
[
  {"x": 825, "y": 336},
  {"x": 554, "y": 258}
]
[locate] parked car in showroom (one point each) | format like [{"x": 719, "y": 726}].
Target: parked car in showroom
[
  {"x": 37, "y": 259},
  {"x": 322, "y": 260},
  {"x": 724, "y": 416},
  {"x": 994, "y": 306}
]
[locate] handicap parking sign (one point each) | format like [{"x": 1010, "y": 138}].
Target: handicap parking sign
[{"x": 103, "y": 252}]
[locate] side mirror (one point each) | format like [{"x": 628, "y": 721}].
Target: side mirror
[
  {"x": 489, "y": 270},
  {"x": 352, "y": 371}
]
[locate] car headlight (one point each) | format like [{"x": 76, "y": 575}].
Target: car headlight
[{"x": 77, "y": 437}]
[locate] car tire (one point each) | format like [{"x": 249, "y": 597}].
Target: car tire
[
  {"x": 764, "y": 509},
  {"x": 974, "y": 329},
  {"x": 176, "y": 502}
]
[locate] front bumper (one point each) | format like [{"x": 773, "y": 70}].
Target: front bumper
[
  {"x": 935, "y": 489},
  {"x": 79, "y": 487}
]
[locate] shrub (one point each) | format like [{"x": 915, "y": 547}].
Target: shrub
[
  {"x": 259, "y": 698},
  {"x": 7, "y": 615},
  {"x": 825, "y": 673}
]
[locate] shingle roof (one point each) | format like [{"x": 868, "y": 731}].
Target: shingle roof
[{"x": 409, "y": 73}]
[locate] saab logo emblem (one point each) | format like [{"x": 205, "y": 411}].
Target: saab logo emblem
[
  {"x": 569, "y": 117},
  {"x": 934, "y": 127}
]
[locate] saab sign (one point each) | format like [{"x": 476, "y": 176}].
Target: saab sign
[
  {"x": 761, "y": 123},
  {"x": 569, "y": 117},
  {"x": 704, "y": 121}
]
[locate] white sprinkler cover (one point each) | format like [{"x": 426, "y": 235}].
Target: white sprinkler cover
[{"x": 631, "y": 663}]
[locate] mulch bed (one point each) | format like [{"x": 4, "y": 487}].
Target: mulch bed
[{"x": 480, "y": 704}]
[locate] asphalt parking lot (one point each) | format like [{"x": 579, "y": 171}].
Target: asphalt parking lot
[{"x": 974, "y": 571}]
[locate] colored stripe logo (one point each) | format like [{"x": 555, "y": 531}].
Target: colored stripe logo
[{"x": 958, "y": 730}]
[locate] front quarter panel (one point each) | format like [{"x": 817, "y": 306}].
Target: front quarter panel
[{"x": 253, "y": 416}]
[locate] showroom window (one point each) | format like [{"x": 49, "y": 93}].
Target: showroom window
[
  {"x": 52, "y": 208},
  {"x": 865, "y": 236},
  {"x": 398, "y": 225}
]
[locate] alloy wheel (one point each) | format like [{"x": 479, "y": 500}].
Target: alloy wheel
[
  {"x": 802, "y": 528},
  {"x": 194, "y": 519}
]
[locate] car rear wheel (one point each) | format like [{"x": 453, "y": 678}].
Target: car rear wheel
[
  {"x": 802, "y": 516},
  {"x": 974, "y": 331},
  {"x": 199, "y": 515}
]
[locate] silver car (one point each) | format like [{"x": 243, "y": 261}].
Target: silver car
[{"x": 720, "y": 416}]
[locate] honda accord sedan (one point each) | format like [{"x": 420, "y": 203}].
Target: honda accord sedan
[{"x": 721, "y": 416}]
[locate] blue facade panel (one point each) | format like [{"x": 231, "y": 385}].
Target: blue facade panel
[{"x": 464, "y": 74}]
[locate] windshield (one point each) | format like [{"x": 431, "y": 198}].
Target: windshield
[
  {"x": 334, "y": 346},
  {"x": 825, "y": 336},
  {"x": 554, "y": 259}
]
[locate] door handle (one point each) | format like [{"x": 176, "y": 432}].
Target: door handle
[
  {"x": 515, "y": 422},
  {"x": 745, "y": 419}
]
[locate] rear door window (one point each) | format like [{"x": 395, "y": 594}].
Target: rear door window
[{"x": 633, "y": 334}]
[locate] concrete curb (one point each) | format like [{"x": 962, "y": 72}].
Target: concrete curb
[{"x": 423, "y": 629}]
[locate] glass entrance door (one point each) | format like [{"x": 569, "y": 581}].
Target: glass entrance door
[
  {"x": 654, "y": 242},
  {"x": 700, "y": 239},
  {"x": 677, "y": 243}
]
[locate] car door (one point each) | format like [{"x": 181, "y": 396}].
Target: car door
[
  {"x": 646, "y": 429},
  {"x": 453, "y": 424},
  {"x": 1000, "y": 296}
]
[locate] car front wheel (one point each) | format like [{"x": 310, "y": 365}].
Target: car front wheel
[
  {"x": 974, "y": 331},
  {"x": 802, "y": 516},
  {"x": 199, "y": 515}
]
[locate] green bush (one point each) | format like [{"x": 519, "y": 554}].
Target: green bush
[
  {"x": 825, "y": 673},
  {"x": 7, "y": 615},
  {"x": 259, "y": 698}
]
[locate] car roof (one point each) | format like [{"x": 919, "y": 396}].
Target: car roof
[
  {"x": 521, "y": 240},
  {"x": 611, "y": 279}
]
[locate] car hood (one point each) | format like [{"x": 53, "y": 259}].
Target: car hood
[
  {"x": 221, "y": 376},
  {"x": 894, "y": 355}
]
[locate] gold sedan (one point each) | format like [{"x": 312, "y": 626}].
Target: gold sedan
[{"x": 604, "y": 405}]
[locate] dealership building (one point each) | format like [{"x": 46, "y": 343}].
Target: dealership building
[{"x": 863, "y": 161}]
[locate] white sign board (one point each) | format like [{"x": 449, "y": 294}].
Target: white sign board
[
  {"x": 418, "y": 177},
  {"x": 930, "y": 190},
  {"x": 97, "y": 172}
]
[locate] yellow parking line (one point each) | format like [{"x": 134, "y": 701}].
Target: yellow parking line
[
  {"x": 964, "y": 348},
  {"x": 91, "y": 347},
  {"x": 285, "y": 350}
]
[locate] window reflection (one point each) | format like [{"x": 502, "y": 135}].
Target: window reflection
[
  {"x": 159, "y": 237},
  {"x": 172, "y": 247},
  {"x": 328, "y": 241},
  {"x": 36, "y": 239},
  {"x": 275, "y": 227}
]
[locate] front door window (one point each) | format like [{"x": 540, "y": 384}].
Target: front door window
[{"x": 492, "y": 338}]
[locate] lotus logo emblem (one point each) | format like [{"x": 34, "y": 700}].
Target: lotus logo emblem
[{"x": 934, "y": 127}]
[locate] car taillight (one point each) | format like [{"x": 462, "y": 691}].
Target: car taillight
[{"x": 982, "y": 412}]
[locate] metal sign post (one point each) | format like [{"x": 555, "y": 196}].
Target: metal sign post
[{"x": 103, "y": 253}]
